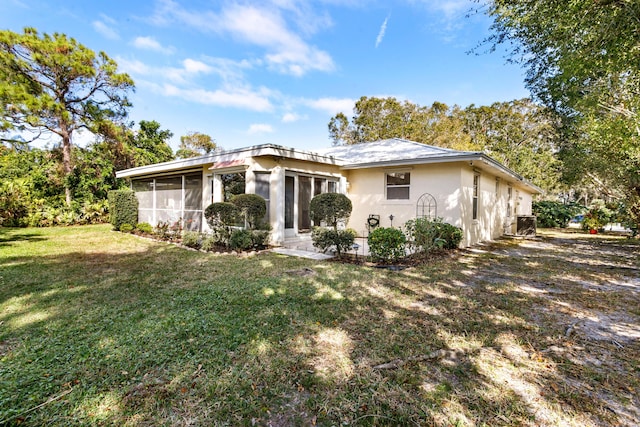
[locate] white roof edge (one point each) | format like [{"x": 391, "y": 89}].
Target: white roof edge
[{"x": 253, "y": 151}]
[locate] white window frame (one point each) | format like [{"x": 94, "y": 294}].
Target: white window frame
[
  {"x": 475, "y": 201},
  {"x": 387, "y": 185}
]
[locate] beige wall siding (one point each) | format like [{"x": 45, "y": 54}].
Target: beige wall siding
[{"x": 366, "y": 189}]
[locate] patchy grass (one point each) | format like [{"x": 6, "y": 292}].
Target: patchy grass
[{"x": 103, "y": 328}]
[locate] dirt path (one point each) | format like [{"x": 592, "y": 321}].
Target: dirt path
[{"x": 587, "y": 292}]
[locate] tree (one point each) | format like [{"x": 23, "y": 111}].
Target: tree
[
  {"x": 195, "y": 144},
  {"x": 521, "y": 135},
  {"x": 381, "y": 118},
  {"x": 149, "y": 144},
  {"x": 54, "y": 84},
  {"x": 581, "y": 59}
]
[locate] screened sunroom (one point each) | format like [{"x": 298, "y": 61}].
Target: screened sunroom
[{"x": 170, "y": 199}]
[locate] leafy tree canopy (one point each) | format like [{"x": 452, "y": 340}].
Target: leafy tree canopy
[
  {"x": 54, "y": 84},
  {"x": 581, "y": 59},
  {"x": 195, "y": 144}
]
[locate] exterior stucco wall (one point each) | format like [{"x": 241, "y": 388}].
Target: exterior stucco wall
[
  {"x": 493, "y": 219},
  {"x": 451, "y": 185},
  {"x": 366, "y": 189}
]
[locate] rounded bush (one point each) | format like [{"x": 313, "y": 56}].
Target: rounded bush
[
  {"x": 252, "y": 207},
  {"x": 222, "y": 214},
  {"x": 330, "y": 208},
  {"x": 144, "y": 227},
  {"x": 126, "y": 228},
  {"x": 387, "y": 244}
]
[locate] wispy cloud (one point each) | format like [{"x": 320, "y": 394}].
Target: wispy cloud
[
  {"x": 180, "y": 82},
  {"x": 330, "y": 105},
  {"x": 149, "y": 43},
  {"x": 292, "y": 118},
  {"x": 105, "y": 30},
  {"x": 267, "y": 27},
  {"x": 383, "y": 30},
  {"x": 260, "y": 128},
  {"x": 242, "y": 98}
]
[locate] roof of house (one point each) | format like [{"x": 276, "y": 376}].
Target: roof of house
[{"x": 385, "y": 153}]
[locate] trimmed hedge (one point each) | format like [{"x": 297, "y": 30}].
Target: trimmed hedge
[
  {"x": 123, "y": 208},
  {"x": 222, "y": 214},
  {"x": 331, "y": 208},
  {"x": 252, "y": 207}
]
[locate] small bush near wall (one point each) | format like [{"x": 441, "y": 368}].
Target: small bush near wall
[
  {"x": 191, "y": 239},
  {"x": 425, "y": 235},
  {"x": 387, "y": 244},
  {"x": 123, "y": 208},
  {"x": 328, "y": 238},
  {"x": 241, "y": 240}
]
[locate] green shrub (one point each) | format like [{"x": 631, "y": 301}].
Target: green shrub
[
  {"x": 126, "y": 228},
  {"x": 330, "y": 208},
  {"x": 222, "y": 214},
  {"x": 451, "y": 235},
  {"x": 425, "y": 235},
  {"x": 328, "y": 238},
  {"x": 260, "y": 238},
  {"x": 96, "y": 213},
  {"x": 551, "y": 214},
  {"x": 191, "y": 239},
  {"x": 123, "y": 208},
  {"x": 252, "y": 208},
  {"x": 209, "y": 242},
  {"x": 13, "y": 205},
  {"x": 240, "y": 240},
  {"x": 387, "y": 244},
  {"x": 144, "y": 227}
]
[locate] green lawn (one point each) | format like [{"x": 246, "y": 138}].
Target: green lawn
[{"x": 99, "y": 327}]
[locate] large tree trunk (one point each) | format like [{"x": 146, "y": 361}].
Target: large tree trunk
[{"x": 67, "y": 165}]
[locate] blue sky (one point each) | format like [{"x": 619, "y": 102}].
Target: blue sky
[{"x": 276, "y": 71}]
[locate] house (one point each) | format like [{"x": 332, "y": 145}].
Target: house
[{"x": 388, "y": 182}]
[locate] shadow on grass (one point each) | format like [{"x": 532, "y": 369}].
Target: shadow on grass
[
  {"x": 168, "y": 336},
  {"x": 11, "y": 235}
]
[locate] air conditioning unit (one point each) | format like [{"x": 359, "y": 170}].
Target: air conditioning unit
[{"x": 526, "y": 225}]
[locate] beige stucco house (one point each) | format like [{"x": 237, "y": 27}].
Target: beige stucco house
[{"x": 388, "y": 182}]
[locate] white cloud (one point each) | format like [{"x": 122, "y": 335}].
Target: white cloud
[
  {"x": 195, "y": 67},
  {"x": 331, "y": 105},
  {"x": 451, "y": 8},
  {"x": 292, "y": 117},
  {"x": 105, "y": 30},
  {"x": 383, "y": 29},
  {"x": 149, "y": 43},
  {"x": 285, "y": 50},
  {"x": 133, "y": 66},
  {"x": 227, "y": 97},
  {"x": 259, "y": 128}
]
